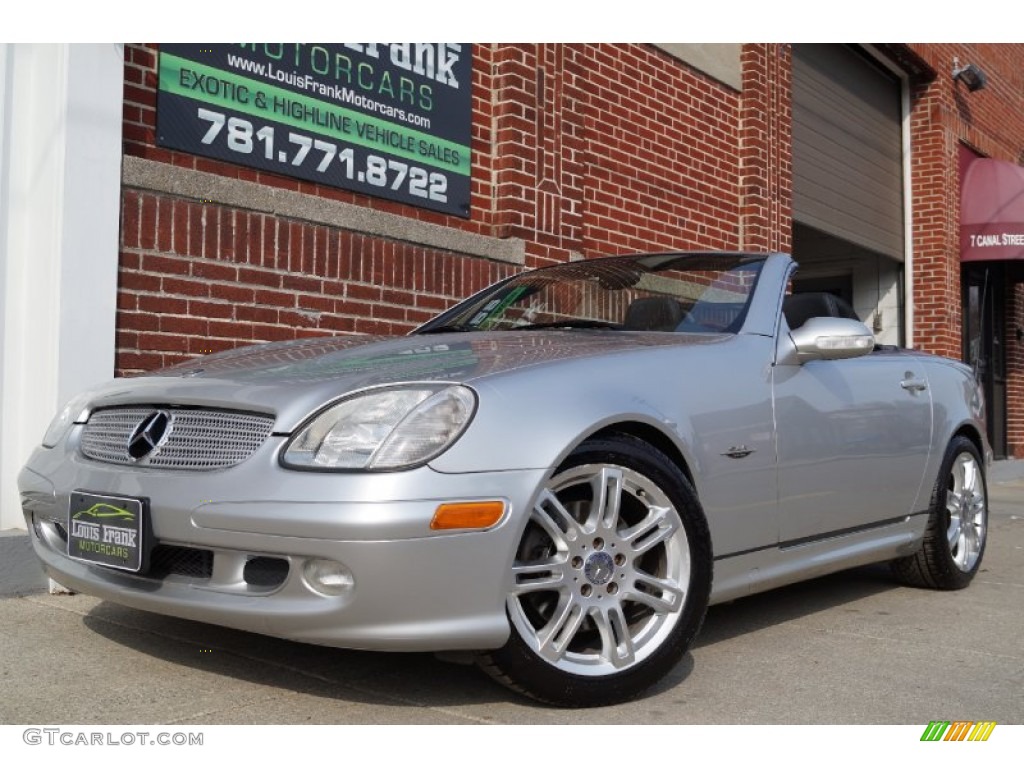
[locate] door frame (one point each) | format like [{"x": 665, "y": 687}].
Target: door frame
[{"x": 983, "y": 301}]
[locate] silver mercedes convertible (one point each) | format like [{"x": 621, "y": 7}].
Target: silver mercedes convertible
[{"x": 558, "y": 474}]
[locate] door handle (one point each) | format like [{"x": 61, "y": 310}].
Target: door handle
[{"x": 913, "y": 385}]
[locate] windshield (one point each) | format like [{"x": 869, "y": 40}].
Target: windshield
[{"x": 680, "y": 293}]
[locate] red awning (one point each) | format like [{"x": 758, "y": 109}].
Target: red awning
[{"x": 992, "y": 211}]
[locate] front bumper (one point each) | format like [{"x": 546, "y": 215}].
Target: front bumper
[{"x": 413, "y": 589}]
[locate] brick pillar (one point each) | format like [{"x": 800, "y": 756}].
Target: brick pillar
[
  {"x": 559, "y": 149},
  {"x": 514, "y": 124},
  {"x": 935, "y": 194},
  {"x": 766, "y": 165},
  {"x": 538, "y": 143}
]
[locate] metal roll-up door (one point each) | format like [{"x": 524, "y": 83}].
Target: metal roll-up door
[{"x": 847, "y": 147}]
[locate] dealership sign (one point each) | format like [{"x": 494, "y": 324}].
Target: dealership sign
[{"x": 391, "y": 120}]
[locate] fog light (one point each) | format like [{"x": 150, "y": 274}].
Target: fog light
[{"x": 328, "y": 577}]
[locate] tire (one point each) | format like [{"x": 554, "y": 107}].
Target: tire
[
  {"x": 610, "y": 581},
  {"x": 954, "y": 541}
]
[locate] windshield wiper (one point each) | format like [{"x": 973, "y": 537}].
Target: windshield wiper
[
  {"x": 447, "y": 329},
  {"x": 567, "y": 324},
  {"x": 527, "y": 327}
]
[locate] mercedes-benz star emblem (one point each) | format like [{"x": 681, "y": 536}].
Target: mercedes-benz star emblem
[
  {"x": 149, "y": 435},
  {"x": 600, "y": 568}
]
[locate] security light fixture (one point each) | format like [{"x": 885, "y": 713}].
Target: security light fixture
[{"x": 969, "y": 74}]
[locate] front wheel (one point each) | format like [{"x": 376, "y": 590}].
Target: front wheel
[
  {"x": 954, "y": 541},
  {"x": 610, "y": 580}
]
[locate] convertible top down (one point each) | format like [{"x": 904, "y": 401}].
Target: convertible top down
[{"x": 558, "y": 474}]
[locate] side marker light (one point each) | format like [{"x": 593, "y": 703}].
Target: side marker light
[{"x": 467, "y": 515}]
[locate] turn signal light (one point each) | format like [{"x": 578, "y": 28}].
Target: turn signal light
[{"x": 467, "y": 514}]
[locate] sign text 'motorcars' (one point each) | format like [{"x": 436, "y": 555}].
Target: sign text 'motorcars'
[{"x": 434, "y": 61}]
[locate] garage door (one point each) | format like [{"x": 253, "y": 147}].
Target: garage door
[{"x": 847, "y": 147}]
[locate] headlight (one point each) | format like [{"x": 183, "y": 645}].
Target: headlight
[
  {"x": 73, "y": 412},
  {"x": 383, "y": 429}
]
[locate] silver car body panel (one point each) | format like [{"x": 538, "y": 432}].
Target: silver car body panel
[
  {"x": 851, "y": 415},
  {"x": 362, "y": 521},
  {"x": 800, "y": 469}
]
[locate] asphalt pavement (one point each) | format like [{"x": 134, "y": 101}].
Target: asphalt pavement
[{"x": 851, "y": 648}]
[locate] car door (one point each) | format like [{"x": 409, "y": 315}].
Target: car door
[{"x": 853, "y": 439}]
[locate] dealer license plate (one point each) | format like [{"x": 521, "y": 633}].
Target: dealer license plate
[{"x": 106, "y": 530}]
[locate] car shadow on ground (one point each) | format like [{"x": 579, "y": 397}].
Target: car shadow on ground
[
  {"x": 747, "y": 615},
  {"x": 797, "y": 601},
  {"x": 364, "y": 677},
  {"x": 422, "y": 679}
]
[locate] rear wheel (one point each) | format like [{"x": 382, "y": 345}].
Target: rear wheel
[
  {"x": 954, "y": 541},
  {"x": 610, "y": 580}
]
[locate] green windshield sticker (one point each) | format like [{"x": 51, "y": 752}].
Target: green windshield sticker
[{"x": 492, "y": 314}]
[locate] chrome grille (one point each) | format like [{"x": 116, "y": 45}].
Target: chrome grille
[{"x": 198, "y": 439}]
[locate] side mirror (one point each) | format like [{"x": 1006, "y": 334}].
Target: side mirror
[{"x": 832, "y": 338}]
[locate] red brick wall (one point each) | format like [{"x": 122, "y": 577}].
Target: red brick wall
[
  {"x": 579, "y": 150},
  {"x": 1014, "y": 370},
  {"x": 661, "y": 153},
  {"x": 198, "y": 278},
  {"x": 612, "y": 148},
  {"x": 991, "y": 121}
]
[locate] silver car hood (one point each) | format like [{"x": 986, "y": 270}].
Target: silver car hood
[{"x": 293, "y": 379}]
